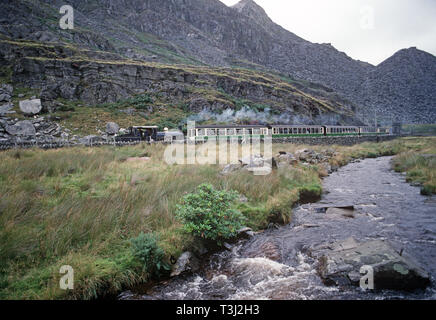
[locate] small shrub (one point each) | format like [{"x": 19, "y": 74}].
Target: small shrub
[
  {"x": 428, "y": 190},
  {"x": 209, "y": 214},
  {"x": 147, "y": 251}
]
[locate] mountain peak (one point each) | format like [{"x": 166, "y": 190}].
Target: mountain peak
[
  {"x": 252, "y": 10},
  {"x": 413, "y": 55}
]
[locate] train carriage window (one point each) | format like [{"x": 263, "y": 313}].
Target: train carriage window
[{"x": 222, "y": 132}]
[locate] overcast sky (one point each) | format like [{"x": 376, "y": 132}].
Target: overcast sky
[{"x": 368, "y": 30}]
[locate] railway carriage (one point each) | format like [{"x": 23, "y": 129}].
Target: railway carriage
[
  {"x": 283, "y": 131},
  {"x": 367, "y": 131},
  {"x": 341, "y": 130},
  {"x": 240, "y": 132}
]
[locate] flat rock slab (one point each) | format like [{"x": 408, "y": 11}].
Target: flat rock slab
[
  {"x": 340, "y": 212},
  {"x": 323, "y": 208},
  {"x": 22, "y": 128},
  {"x": 342, "y": 263}
]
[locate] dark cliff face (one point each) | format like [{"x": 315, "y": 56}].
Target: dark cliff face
[{"x": 206, "y": 32}]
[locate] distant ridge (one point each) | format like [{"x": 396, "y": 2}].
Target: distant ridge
[{"x": 210, "y": 33}]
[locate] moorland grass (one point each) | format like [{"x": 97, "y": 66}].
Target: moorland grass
[{"x": 82, "y": 206}]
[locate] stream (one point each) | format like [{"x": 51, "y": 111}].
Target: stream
[{"x": 276, "y": 263}]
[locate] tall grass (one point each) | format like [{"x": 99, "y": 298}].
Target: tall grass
[{"x": 81, "y": 206}]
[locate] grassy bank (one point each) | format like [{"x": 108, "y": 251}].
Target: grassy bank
[{"x": 81, "y": 207}]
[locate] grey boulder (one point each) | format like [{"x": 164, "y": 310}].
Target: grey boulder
[
  {"x": 31, "y": 107},
  {"x": 112, "y": 128},
  {"x": 342, "y": 264},
  {"x": 187, "y": 262},
  {"x": 21, "y": 128}
]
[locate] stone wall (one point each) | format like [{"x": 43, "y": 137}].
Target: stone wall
[
  {"x": 47, "y": 144},
  {"x": 343, "y": 140}
]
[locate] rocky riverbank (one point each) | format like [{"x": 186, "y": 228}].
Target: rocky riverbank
[{"x": 364, "y": 220}]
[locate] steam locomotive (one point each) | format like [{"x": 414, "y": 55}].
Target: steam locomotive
[{"x": 205, "y": 132}]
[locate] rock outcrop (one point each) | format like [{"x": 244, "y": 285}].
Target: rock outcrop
[
  {"x": 342, "y": 265},
  {"x": 6, "y": 92},
  {"x": 35, "y": 131}
]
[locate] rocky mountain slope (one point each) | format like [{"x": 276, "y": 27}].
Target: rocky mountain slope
[
  {"x": 77, "y": 85},
  {"x": 208, "y": 33},
  {"x": 403, "y": 87}
]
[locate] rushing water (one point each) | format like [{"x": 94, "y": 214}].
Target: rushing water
[{"x": 275, "y": 264}]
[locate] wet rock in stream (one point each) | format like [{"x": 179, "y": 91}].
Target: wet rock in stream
[{"x": 342, "y": 264}]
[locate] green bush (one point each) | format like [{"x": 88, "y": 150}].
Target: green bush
[
  {"x": 146, "y": 250},
  {"x": 210, "y": 214},
  {"x": 428, "y": 190}
]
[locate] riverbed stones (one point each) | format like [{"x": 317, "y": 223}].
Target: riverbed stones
[
  {"x": 31, "y": 107},
  {"x": 187, "y": 262},
  {"x": 269, "y": 250},
  {"x": 341, "y": 266},
  {"x": 340, "y": 212},
  {"x": 245, "y": 233}
]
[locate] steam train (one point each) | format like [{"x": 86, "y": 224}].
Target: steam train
[
  {"x": 205, "y": 132},
  {"x": 280, "y": 131}
]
